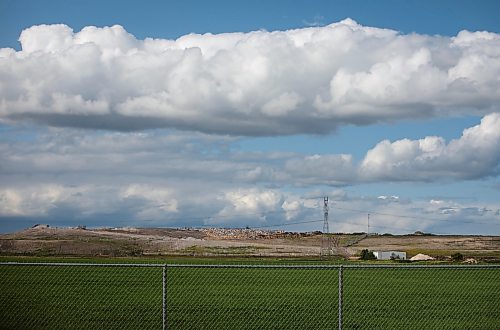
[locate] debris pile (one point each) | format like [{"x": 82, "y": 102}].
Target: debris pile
[{"x": 421, "y": 257}]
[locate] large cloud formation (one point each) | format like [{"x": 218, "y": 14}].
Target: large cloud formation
[
  {"x": 113, "y": 157},
  {"x": 135, "y": 177},
  {"x": 306, "y": 80}
]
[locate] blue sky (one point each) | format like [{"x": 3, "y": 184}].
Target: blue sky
[
  {"x": 234, "y": 114},
  {"x": 171, "y": 19}
]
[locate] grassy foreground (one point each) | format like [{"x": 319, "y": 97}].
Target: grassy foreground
[{"x": 50, "y": 297}]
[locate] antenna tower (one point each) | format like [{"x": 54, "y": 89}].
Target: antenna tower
[{"x": 326, "y": 240}]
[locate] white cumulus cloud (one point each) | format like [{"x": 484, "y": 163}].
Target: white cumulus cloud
[
  {"x": 475, "y": 154},
  {"x": 307, "y": 80}
]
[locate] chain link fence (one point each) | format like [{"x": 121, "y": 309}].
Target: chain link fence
[
  {"x": 153, "y": 296},
  {"x": 252, "y": 297},
  {"x": 421, "y": 298},
  {"x": 80, "y": 296}
]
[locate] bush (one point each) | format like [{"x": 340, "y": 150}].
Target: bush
[
  {"x": 395, "y": 257},
  {"x": 457, "y": 257},
  {"x": 367, "y": 255}
]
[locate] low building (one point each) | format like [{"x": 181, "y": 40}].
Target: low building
[{"x": 387, "y": 255}]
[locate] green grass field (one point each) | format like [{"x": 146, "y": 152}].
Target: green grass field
[
  {"x": 46, "y": 297},
  {"x": 49, "y": 297}
]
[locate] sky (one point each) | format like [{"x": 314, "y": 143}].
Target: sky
[{"x": 249, "y": 113}]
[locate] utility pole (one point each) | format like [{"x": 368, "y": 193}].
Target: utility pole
[
  {"x": 368, "y": 232},
  {"x": 326, "y": 246}
]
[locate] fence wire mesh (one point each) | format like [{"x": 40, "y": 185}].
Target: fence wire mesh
[
  {"x": 83, "y": 296},
  {"x": 421, "y": 298},
  {"x": 252, "y": 298},
  {"x": 80, "y": 297}
]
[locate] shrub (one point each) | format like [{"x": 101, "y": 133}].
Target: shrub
[
  {"x": 367, "y": 255},
  {"x": 395, "y": 257},
  {"x": 457, "y": 257}
]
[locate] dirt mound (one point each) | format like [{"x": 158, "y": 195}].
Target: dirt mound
[{"x": 421, "y": 257}]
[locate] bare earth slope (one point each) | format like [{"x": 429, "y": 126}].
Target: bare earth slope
[{"x": 44, "y": 240}]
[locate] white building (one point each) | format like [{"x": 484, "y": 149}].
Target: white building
[{"x": 387, "y": 255}]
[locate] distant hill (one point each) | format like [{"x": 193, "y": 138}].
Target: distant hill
[{"x": 43, "y": 240}]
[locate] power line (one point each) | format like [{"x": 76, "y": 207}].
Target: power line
[
  {"x": 215, "y": 217},
  {"x": 370, "y": 212},
  {"x": 392, "y": 228},
  {"x": 410, "y": 216},
  {"x": 288, "y": 223}
]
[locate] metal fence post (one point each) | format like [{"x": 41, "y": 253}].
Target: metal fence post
[
  {"x": 164, "y": 297},
  {"x": 340, "y": 295}
]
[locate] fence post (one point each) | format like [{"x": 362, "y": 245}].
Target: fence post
[
  {"x": 340, "y": 295},
  {"x": 164, "y": 297}
]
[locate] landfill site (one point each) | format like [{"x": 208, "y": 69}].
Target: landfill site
[{"x": 44, "y": 240}]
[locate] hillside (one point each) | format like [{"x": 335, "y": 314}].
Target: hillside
[{"x": 48, "y": 241}]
